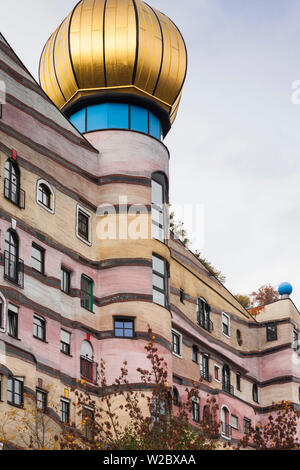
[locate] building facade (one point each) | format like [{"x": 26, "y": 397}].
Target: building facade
[{"x": 86, "y": 260}]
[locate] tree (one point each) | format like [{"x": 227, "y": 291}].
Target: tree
[
  {"x": 264, "y": 296},
  {"x": 279, "y": 431},
  {"x": 126, "y": 419},
  {"x": 244, "y": 300}
]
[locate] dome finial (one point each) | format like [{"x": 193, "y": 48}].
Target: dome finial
[{"x": 285, "y": 289}]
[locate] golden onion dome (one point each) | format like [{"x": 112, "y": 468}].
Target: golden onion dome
[{"x": 113, "y": 47}]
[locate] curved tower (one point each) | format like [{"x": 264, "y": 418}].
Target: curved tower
[{"x": 116, "y": 69}]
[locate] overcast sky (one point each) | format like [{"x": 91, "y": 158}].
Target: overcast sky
[{"x": 235, "y": 145}]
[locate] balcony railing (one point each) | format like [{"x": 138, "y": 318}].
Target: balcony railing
[
  {"x": 13, "y": 269},
  {"x": 88, "y": 370},
  {"x": 14, "y": 193},
  {"x": 205, "y": 323},
  {"x": 205, "y": 375},
  {"x": 226, "y": 430},
  {"x": 227, "y": 387}
]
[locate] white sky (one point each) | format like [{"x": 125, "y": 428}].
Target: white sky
[{"x": 235, "y": 145}]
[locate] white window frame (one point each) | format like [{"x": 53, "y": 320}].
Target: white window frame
[
  {"x": 89, "y": 215},
  {"x": 225, "y": 315},
  {"x": 180, "y": 343},
  {"x": 237, "y": 422},
  {"x": 220, "y": 373},
  {"x": 52, "y": 209}
]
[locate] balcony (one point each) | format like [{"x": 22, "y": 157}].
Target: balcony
[
  {"x": 14, "y": 193},
  {"x": 226, "y": 430},
  {"x": 88, "y": 370},
  {"x": 205, "y": 375},
  {"x": 227, "y": 387},
  {"x": 13, "y": 269},
  {"x": 205, "y": 323}
]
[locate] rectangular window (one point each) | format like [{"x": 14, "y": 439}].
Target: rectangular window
[
  {"x": 182, "y": 296},
  {"x": 234, "y": 422},
  {"x": 160, "y": 281},
  {"x": 65, "y": 281},
  {"x": 158, "y": 210},
  {"x": 65, "y": 342},
  {"x": 177, "y": 343},
  {"x": 204, "y": 367},
  {"x": 196, "y": 410},
  {"x": 39, "y": 328},
  {"x": 225, "y": 324},
  {"x": 38, "y": 258},
  {"x": 295, "y": 340},
  {"x": 15, "y": 391},
  {"x": 87, "y": 423},
  {"x": 12, "y": 321},
  {"x": 124, "y": 328},
  {"x": 83, "y": 225},
  {"x": 272, "y": 332},
  {"x": 41, "y": 400},
  {"x": 247, "y": 424},
  {"x": 195, "y": 352},
  {"x": 217, "y": 373},
  {"x": 87, "y": 300},
  {"x": 238, "y": 381},
  {"x": 64, "y": 411}
]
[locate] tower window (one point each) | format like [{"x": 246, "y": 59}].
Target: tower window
[
  {"x": 159, "y": 206},
  {"x": 160, "y": 281}
]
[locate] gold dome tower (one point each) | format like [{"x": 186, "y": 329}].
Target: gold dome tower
[{"x": 109, "y": 48}]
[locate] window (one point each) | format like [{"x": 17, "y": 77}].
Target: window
[
  {"x": 226, "y": 383},
  {"x": 247, "y": 425},
  {"x": 15, "y": 391},
  {"x": 83, "y": 225},
  {"x": 195, "y": 352},
  {"x": 255, "y": 393},
  {"x": 88, "y": 368},
  {"x": 177, "y": 343},
  {"x": 239, "y": 337},
  {"x": 217, "y": 373},
  {"x": 13, "y": 266},
  {"x": 12, "y": 317},
  {"x": 41, "y": 400},
  {"x": 65, "y": 342},
  {"x": 181, "y": 296},
  {"x": 225, "y": 423},
  {"x": 204, "y": 367},
  {"x": 295, "y": 340},
  {"x": 45, "y": 196},
  {"x": 234, "y": 422},
  {"x": 64, "y": 411},
  {"x": 87, "y": 423},
  {"x": 238, "y": 381},
  {"x": 65, "y": 280},
  {"x": 12, "y": 189},
  {"x": 159, "y": 206},
  {"x": 196, "y": 409},
  {"x": 160, "y": 281},
  {"x": 203, "y": 315},
  {"x": 175, "y": 396},
  {"x": 124, "y": 328},
  {"x": 225, "y": 324},
  {"x": 87, "y": 299},
  {"x": 39, "y": 328},
  {"x": 1, "y": 378},
  {"x": 272, "y": 332},
  {"x": 38, "y": 258}
]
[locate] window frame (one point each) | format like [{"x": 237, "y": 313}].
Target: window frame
[
  {"x": 63, "y": 343},
  {"x": 225, "y": 315},
  {"x": 42, "y": 327},
  {"x": 160, "y": 179},
  {"x": 164, "y": 277},
  {"x": 51, "y": 207},
  {"x": 238, "y": 381},
  {"x": 271, "y": 335},
  {"x": 84, "y": 281},
  {"x": 67, "y": 272},
  {"x": 216, "y": 366},
  {"x": 196, "y": 409},
  {"x": 121, "y": 319},
  {"x": 179, "y": 335},
  {"x": 13, "y": 311},
  {"x": 63, "y": 412},
  {"x": 44, "y": 401},
  {"x": 247, "y": 425},
  {"x": 255, "y": 394},
  {"x": 14, "y": 393},
  {"x": 88, "y": 215},
  {"x": 195, "y": 354},
  {"x": 42, "y": 261}
]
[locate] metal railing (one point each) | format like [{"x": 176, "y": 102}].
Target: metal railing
[
  {"x": 205, "y": 375},
  {"x": 227, "y": 387},
  {"x": 88, "y": 370},
  {"x": 226, "y": 430},
  {"x": 205, "y": 323},
  {"x": 13, "y": 269},
  {"x": 14, "y": 193}
]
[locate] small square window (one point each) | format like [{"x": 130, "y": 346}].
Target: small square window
[
  {"x": 124, "y": 328},
  {"x": 39, "y": 328},
  {"x": 38, "y": 258},
  {"x": 272, "y": 332}
]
